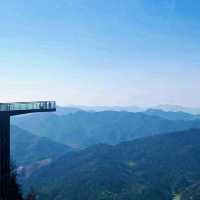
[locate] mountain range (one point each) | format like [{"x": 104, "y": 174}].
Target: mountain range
[
  {"x": 82, "y": 129},
  {"x": 170, "y": 115},
  {"x": 167, "y": 108},
  {"x": 157, "y": 167},
  {"x": 121, "y": 155}
]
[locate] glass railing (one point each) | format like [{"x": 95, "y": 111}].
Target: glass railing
[{"x": 38, "y": 105}]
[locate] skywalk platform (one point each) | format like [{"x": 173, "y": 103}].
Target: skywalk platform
[
  {"x": 6, "y": 111},
  {"x": 18, "y": 108}
]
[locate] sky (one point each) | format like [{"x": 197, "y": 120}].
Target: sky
[{"x": 100, "y": 52}]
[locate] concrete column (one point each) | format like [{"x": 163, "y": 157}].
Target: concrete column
[{"x": 4, "y": 155}]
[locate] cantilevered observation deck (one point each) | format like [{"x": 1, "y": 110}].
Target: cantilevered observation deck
[
  {"x": 6, "y": 111},
  {"x": 19, "y": 108}
]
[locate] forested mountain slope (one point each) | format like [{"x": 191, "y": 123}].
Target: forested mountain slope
[
  {"x": 27, "y": 148},
  {"x": 152, "y": 168}
]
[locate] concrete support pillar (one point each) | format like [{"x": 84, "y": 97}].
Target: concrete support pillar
[{"x": 4, "y": 155}]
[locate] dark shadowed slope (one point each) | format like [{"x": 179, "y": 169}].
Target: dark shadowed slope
[
  {"x": 82, "y": 129},
  {"x": 27, "y": 148},
  {"x": 152, "y": 168}
]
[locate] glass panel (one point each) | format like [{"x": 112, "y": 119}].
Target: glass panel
[{"x": 40, "y": 105}]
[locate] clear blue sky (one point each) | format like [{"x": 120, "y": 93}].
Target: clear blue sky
[{"x": 101, "y": 52}]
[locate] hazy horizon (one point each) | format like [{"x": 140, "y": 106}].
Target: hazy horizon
[
  {"x": 85, "y": 52},
  {"x": 136, "y": 106}
]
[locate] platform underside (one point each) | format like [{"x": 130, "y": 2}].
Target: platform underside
[{"x": 21, "y": 112}]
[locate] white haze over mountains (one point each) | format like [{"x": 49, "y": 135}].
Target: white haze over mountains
[{"x": 170, "y": 108}]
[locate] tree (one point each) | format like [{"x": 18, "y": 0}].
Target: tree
[{"x": 14, "y": 191}]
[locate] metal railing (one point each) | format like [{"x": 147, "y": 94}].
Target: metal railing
[{"x": 37, "y": 105}]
